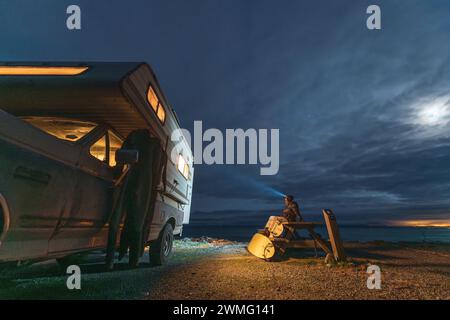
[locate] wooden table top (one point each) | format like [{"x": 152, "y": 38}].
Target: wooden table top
[{"x": 302, "y": 224}]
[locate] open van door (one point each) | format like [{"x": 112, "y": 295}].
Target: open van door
[
  {"x": 85, "y": 226},
  {"x": 37, "y": 173}
]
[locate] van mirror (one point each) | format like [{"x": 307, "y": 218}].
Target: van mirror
[{"x": 125, "y": 156}]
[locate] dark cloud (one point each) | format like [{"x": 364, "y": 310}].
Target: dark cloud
[{"x": 349, "y": 102}]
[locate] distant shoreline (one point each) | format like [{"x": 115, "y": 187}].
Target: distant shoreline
[
  {"x": 360, "y": 233},
  {"x": 342, "y": 225}
]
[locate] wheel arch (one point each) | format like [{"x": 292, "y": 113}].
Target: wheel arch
[
  {"x": 4, "y": 217},
  {"x": 172, "y": 222}
]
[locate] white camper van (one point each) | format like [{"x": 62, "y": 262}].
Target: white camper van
[{"x": 60, "y": 127}]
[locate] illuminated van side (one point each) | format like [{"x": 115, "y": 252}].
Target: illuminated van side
[{"x": 41, "y": 71}]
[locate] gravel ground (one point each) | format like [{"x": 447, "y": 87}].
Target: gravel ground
[{"x": 207, "y": 269}]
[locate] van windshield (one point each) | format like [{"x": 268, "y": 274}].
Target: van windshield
[{"x": 64, "y": 129}]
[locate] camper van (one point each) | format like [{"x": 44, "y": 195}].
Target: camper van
[{"x": 61, "y": 127}]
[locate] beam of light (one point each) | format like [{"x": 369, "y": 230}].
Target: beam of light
[
  {"x": 275, "y": 192},
  {"x": 41, "y": 71},
  {"x": 265, "y": 188},
  {"x": 246, "y": 182}
]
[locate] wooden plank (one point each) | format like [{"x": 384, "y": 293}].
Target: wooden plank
[
  {"x": 302, "y": 225},
  {"x": 322, "y": 243},
  {"x": 280, "y": 240},
  {"x": 333, "y": 232}
]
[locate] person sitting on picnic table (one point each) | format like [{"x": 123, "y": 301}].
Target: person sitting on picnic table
[{"x": 291, "y": 213}]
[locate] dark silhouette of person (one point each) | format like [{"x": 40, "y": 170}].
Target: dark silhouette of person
[
  {"x": 291, "y": 211},
  {"x": 135, "y": 198}
]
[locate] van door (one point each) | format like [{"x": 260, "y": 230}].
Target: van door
[
  {"x": 37, "y": 170},
  {"x": 85, "y": 225}
]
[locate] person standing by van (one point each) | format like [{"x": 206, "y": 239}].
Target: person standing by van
[{"x": 136, "y": 198}]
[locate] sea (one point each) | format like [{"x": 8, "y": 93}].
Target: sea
[{"x": 348, "y": 233}]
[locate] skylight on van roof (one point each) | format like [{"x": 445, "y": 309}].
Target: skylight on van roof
[
  {"x": 41, "y": 70},
  {"x": 61, "y": 128}
]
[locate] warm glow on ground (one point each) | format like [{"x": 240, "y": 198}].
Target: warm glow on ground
[
  {"x": 421, "y": 223},
  {"x": 40, "y": 71}
]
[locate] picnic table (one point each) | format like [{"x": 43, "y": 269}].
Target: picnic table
[{"x": 333, "y": 247}]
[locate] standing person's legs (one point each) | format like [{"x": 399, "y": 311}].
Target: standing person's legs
[
  {"x": 112, "y": 239},
  {"x": 137, "y": 214},
  {"x": 134, "y": 237},
  {"x": 114, "y": 226},
  {"x": 131, "y": 237}
]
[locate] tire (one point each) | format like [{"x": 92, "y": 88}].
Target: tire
[{"x": 161, "y": 249}]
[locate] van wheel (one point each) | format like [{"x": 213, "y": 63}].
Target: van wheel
[{"x": 161, "y": 249}]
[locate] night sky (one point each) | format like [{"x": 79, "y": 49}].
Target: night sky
[{"x": 363, "y": 115}]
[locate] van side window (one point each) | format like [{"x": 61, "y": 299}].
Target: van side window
[
  {"x": 152, "y": 98},
  {"x": 183, "y": 167},
  {"x": 156, "y": 105},
  {"x": 115, "y": 143},
  {"x": 98, "y": 149},
  {"x": 161, "y": 113}
]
